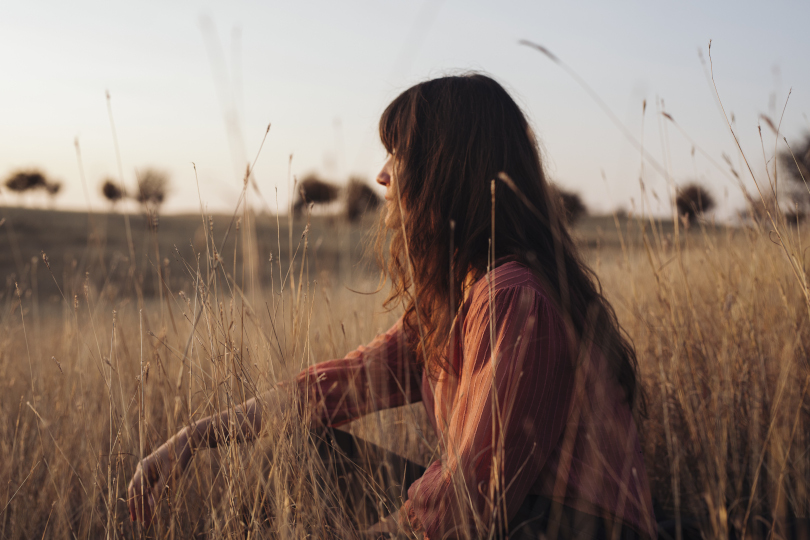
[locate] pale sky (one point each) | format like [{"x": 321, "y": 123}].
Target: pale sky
[{"x": 199, "y": 82}]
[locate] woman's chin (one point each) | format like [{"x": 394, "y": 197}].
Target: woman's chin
[{"x": 391, "y": 217}]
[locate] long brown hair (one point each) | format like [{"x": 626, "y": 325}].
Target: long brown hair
[{"x": 451, "y": 137}]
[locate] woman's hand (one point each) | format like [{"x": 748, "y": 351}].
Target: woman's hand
[
  {"x": 164, "y": 465},
  {"x": 167, "y": 463},
  {"x": 387, "y": 527}
]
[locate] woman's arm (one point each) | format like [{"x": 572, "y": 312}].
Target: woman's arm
[
  {"x": 242, "y": 423},
  {"x": 380, "y": 375},
  {"x": 166, "y": 464},
  {"x": 377, "y": 376}
]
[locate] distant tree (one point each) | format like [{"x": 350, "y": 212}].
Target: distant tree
[
  {"x": 112, "y": 192},
  {"x": 800, "y": 167},
  {"x": 571, "y": 203},
  {"x": 314, "y": 190},
  {"x": 53, "y": 188},
  {"x": 762, "y": 211},
  {"x": 693, "y": 200},
  {"x": 22, "y": 181},
  {"x": 758, "y": 209},
  {"x": 796, "y": 212},
  {"x": 360, "y": 198},
  {"x": 153, "y": 187},
  {"x": 796, "y": 165}
]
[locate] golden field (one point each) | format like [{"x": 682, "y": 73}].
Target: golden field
[{"x": 103, "y": 355}]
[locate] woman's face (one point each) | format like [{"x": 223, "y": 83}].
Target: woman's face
[{"x": 386, "y": 178}]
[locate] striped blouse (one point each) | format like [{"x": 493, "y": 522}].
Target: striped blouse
[{"x": 513, "y": 415}]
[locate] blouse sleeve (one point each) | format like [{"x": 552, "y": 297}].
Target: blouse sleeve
[
  {"x": 377, "y": 376},
  {"x": 509, "y": 415}
]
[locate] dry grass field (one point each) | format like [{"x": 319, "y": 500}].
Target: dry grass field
[{"x": 103, "y": 355}]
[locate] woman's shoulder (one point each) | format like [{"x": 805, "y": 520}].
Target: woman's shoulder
[
  {"x": 510, "y": 277},
  {"x": 516, "y": 300}
]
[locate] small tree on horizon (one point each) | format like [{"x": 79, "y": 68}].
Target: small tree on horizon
[
  {"x": 571, "y": 203},
  {"x": 153, "y": 188},
  {"x": 693, "y": 200},
  {"x": 797, "y": 170},
  {"x": 53, "y": 189},
  {"x": 23, "y": 181},
  {"x": 112, "y": 192},
  {"x": 314, "y": 190},
  {"x": 360, "y": 198},
  {"x": 796, "y": 165}
]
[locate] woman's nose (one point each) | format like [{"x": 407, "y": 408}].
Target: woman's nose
[{"x": 383, "y": 178}]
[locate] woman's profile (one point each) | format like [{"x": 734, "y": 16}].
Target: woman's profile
[{"x": 527, "y": 378}]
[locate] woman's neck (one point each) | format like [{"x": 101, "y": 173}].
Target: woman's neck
[{"x": 466, "y": 287}]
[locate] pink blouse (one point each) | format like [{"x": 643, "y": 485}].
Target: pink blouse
[{"x": 513, "y": 415}]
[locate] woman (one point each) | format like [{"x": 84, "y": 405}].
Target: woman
[{"x": 525, "y": 373}]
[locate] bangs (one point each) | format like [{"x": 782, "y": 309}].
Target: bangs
[{"x": 393, "y": 124}]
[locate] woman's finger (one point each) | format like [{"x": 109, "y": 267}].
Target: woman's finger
[
  {"x": 147, "y": 506},
  {"x": 136, "y": 498},
  {"x": 138, "y": 502},
  {"x": 147, "y": 512},
  {"x": 151, "y": 506},
  {"x": 134, "y": 495},
  {"x": 131, "y": 503}
]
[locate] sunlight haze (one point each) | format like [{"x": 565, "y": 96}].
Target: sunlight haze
[{"x": 199, "y": 82}]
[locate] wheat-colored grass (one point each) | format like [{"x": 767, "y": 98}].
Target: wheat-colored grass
[{"x": 718, "y": 317}]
